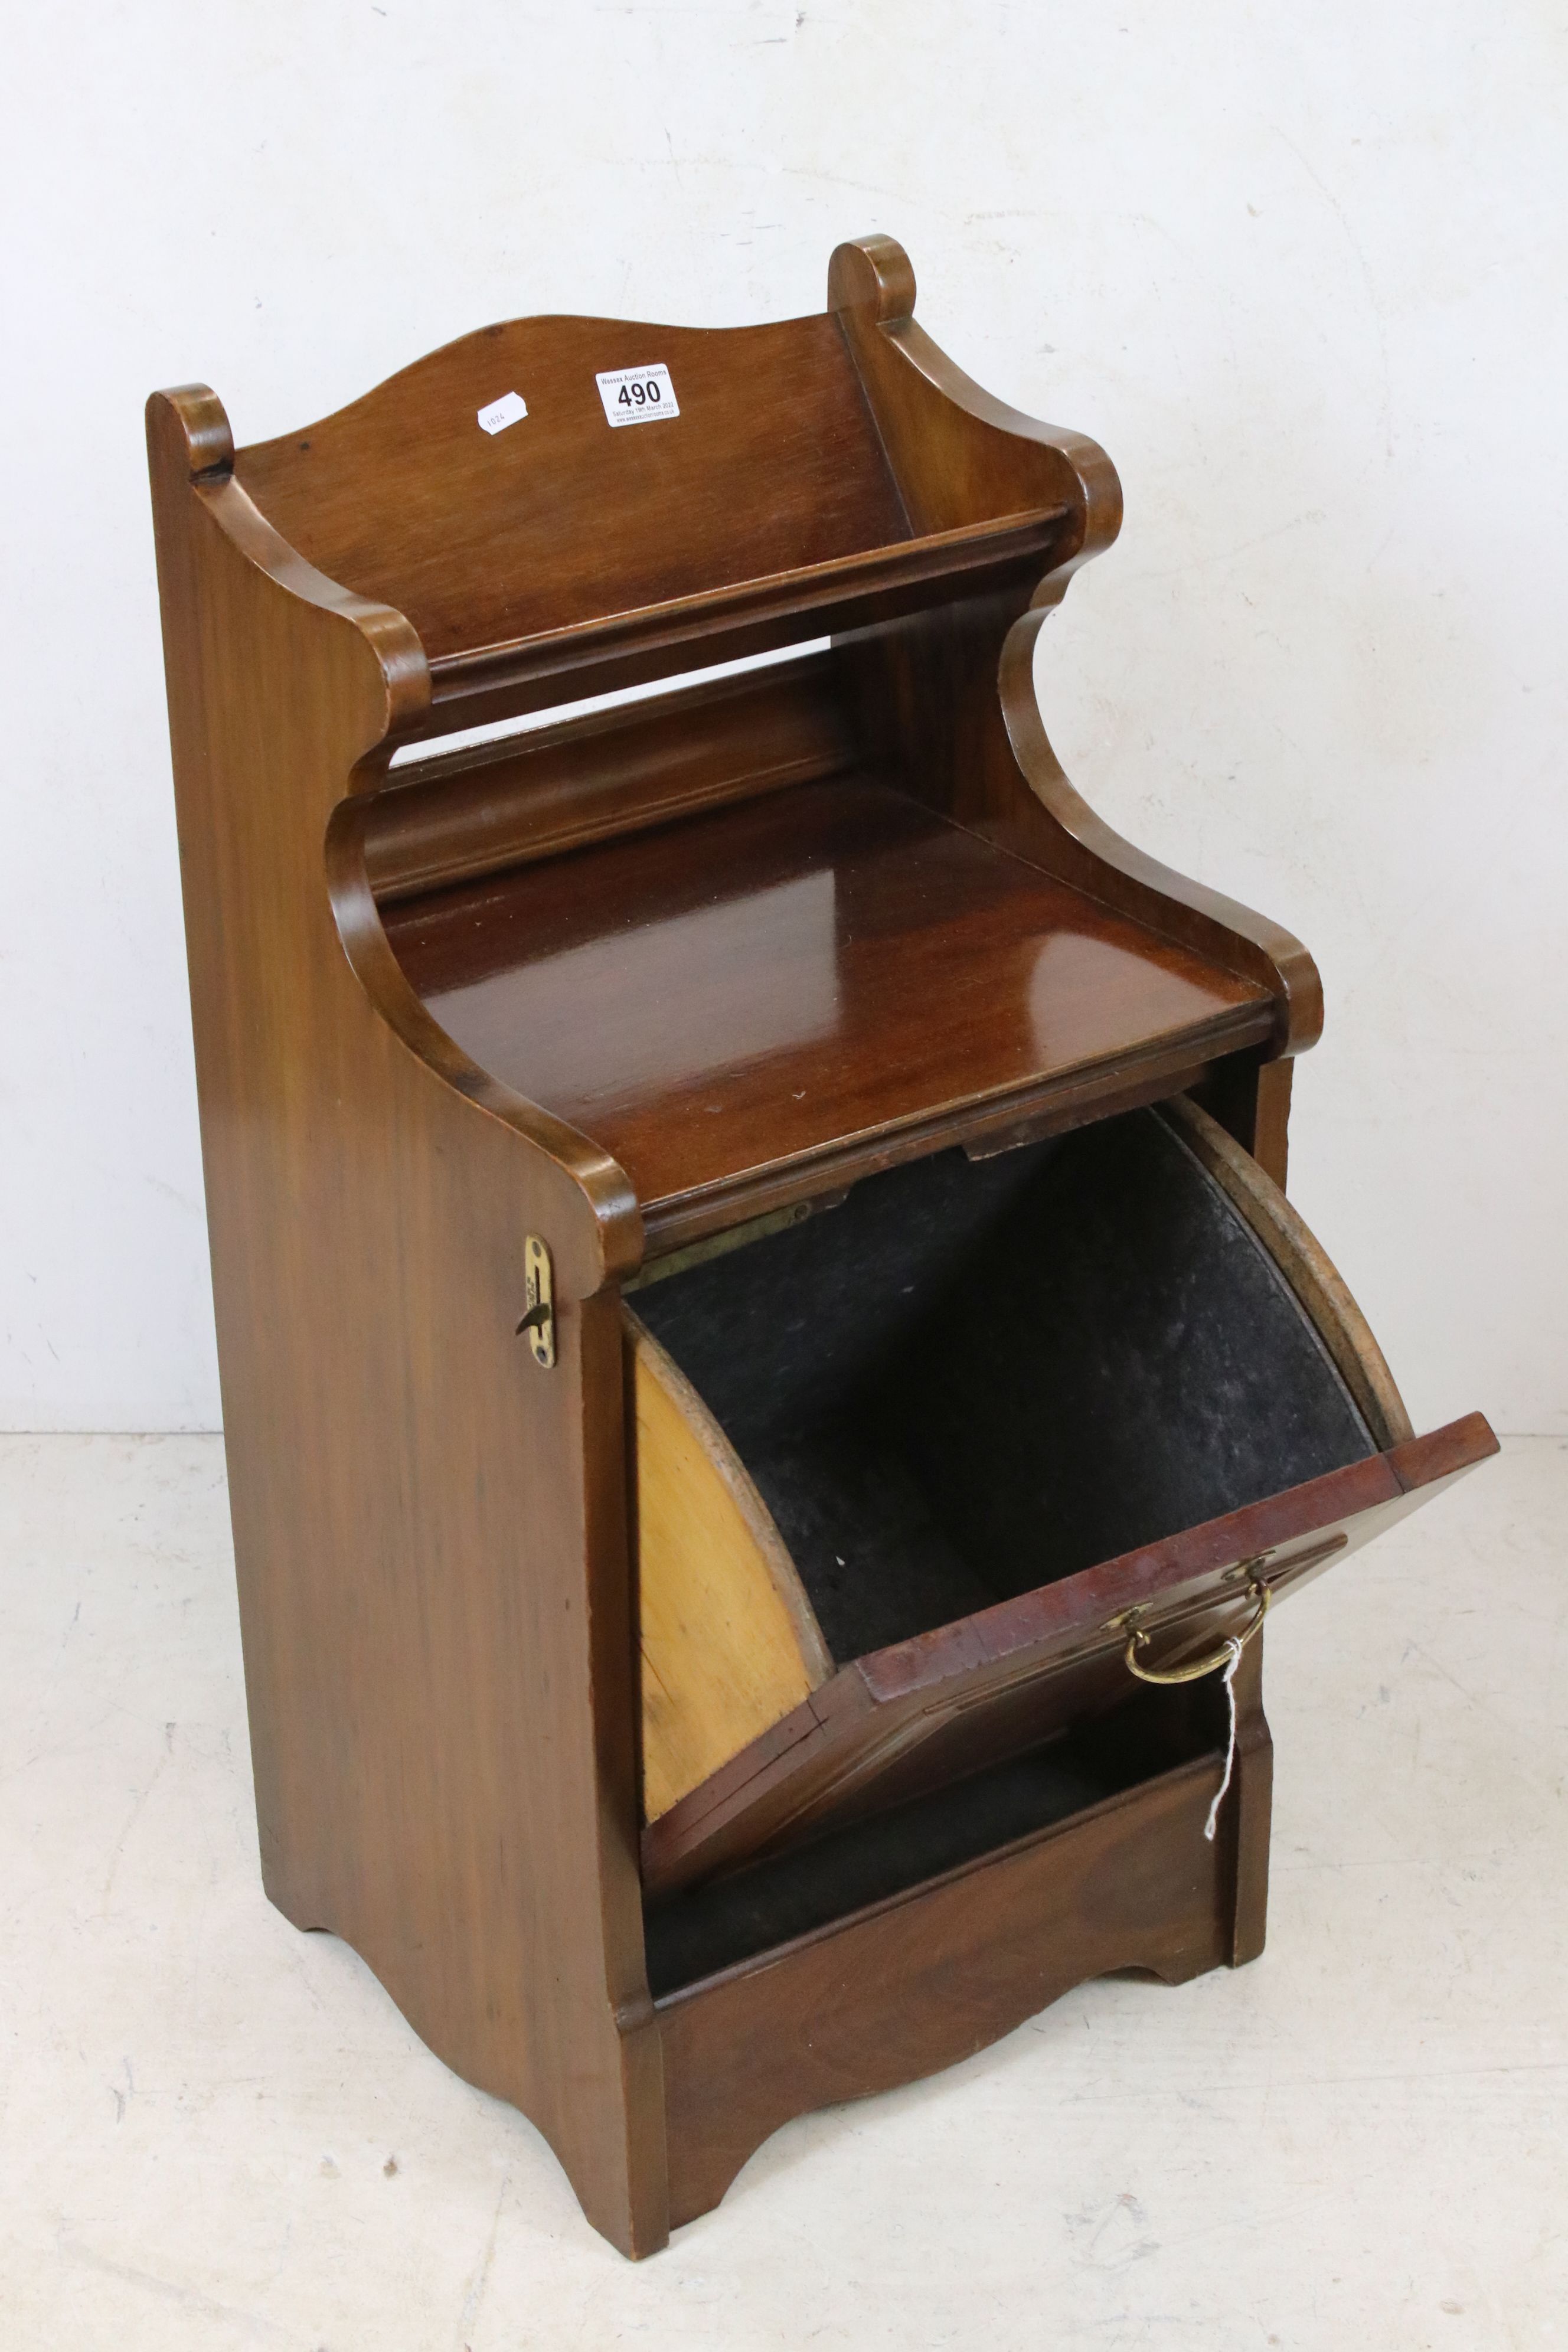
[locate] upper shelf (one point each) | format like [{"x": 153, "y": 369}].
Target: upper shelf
[
  {"x": 768, "y": 502},
  {"x": 772, "y": 997},
  {"x": 843, "y": 593}
]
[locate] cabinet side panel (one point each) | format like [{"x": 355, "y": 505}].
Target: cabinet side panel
[{"x": 430, "y": 1526}]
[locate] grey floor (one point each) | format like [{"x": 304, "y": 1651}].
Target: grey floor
[{"x": 215, "y": 2132}]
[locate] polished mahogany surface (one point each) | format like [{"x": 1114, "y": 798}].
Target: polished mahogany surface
[
  {"x": 765, "y": 982},
  {"x": 484, "y": 539},
  {"x": 752, "y": 1003}
]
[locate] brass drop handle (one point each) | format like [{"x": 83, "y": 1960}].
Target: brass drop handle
[{"x": 1212, "y": 1661}]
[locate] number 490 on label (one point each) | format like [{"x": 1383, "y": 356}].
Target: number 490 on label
[{"x": 637, "y": 395}]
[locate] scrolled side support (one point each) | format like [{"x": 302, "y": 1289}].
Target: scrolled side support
[
  {"x": 1092, "y": 854},
  {"x": 951, "y": 695}
]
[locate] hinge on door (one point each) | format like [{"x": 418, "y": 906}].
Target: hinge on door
[{"x": 539, "y": 1321}]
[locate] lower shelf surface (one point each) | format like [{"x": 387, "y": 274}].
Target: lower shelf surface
[
  {"x": 771, "y": 1902},
  {"x": 921, "y": 1979}
]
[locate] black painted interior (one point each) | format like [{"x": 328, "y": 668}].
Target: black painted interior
[{"x": 971, "y": 1380}]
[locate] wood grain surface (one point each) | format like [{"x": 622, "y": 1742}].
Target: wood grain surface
[
  {"x": 810, "y": 970},
  {"x": 961, "y": 683},
  {"x": 772, "y": 465},
  {"x": 456, "y": 816},
  {"x": 728, "y": 1640},
  {"x": 429, "y": 1530},
  {"x": 657, "y": 974}
]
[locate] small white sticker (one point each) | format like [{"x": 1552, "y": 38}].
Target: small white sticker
[
  {"x": 503, "y": 412},
  {"x": 637, "y": 395}
]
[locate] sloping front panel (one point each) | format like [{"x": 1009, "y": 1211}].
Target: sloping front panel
[{"x": 907, "y": 1718}]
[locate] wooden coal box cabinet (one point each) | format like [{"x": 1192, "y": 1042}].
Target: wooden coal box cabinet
[{"x": 768, "y": 1379}]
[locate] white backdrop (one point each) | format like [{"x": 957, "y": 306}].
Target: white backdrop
[{"x": 1302, "y": 271}]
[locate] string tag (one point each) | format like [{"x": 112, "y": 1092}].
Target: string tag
[{"x": 1229, "y": 1678}]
